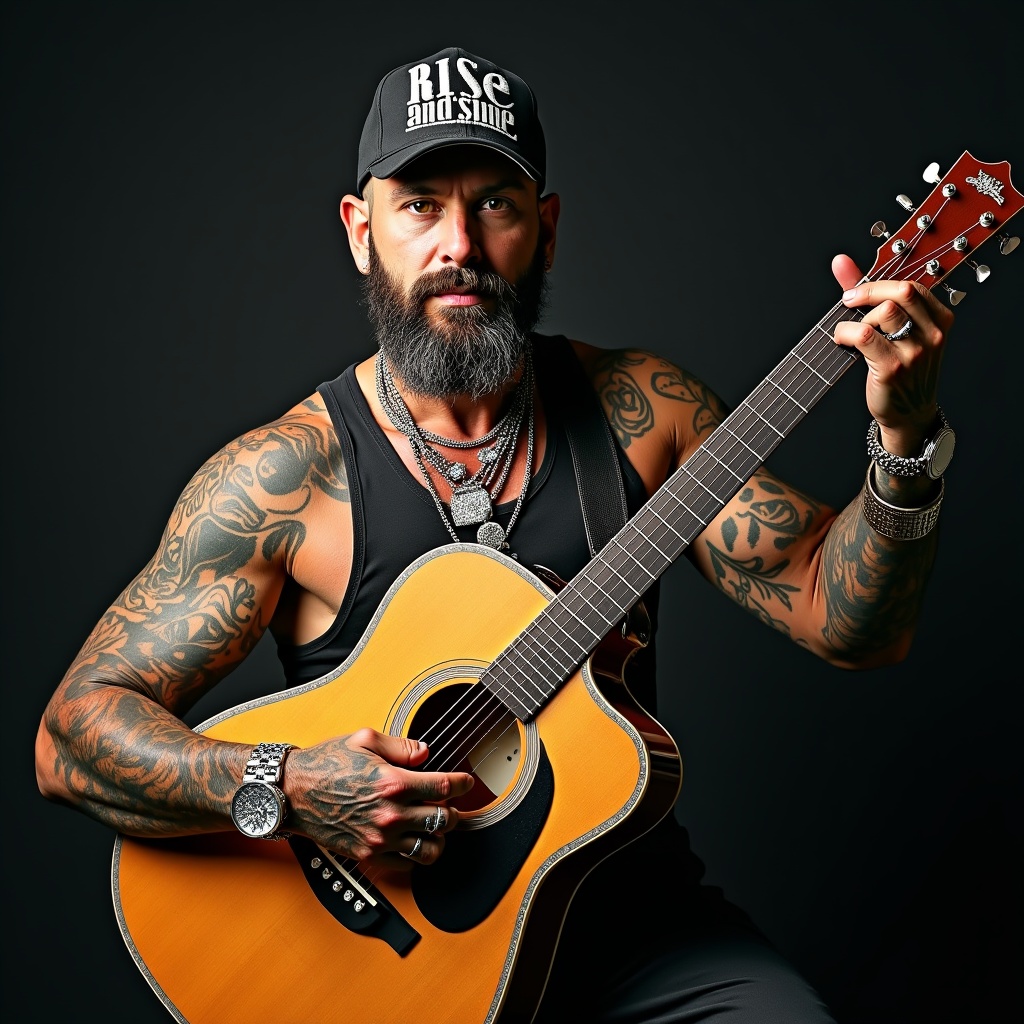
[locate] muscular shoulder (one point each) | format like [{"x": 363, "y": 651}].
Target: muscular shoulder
[
  {"x": 658, "y": 411},
  {"x": 265, "y": 482}
]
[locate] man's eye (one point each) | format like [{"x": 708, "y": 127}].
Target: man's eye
[
  {"x": 496, "y": 203},
  {"x": 421, "y": 206}
]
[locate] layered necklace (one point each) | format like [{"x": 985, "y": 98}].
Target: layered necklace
[{"x": 472, "y": 494}]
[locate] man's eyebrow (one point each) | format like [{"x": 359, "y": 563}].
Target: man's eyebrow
[{"x": 410, "y": 189}]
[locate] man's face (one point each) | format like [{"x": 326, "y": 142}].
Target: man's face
[{"x": 456, "y": 276}]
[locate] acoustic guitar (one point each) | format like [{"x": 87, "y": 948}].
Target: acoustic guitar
[{"x": 520, "y": 683}]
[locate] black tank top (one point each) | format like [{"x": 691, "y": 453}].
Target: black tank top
[{"x": 395, "y": 519}]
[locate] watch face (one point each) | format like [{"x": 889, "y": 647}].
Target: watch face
[
  {"x": 942, "y": 453},
  {"x": 256, "y": 809}
]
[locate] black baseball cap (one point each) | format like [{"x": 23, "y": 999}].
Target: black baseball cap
[{"x": 450, "y": 98}]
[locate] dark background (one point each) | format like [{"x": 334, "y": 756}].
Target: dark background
[{"x": 174, "y": 273}]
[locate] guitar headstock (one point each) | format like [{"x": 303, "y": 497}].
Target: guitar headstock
[{"x": 969, "y": 206}]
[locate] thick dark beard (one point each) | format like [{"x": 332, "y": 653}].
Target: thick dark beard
[{"x": 463, "y": 350}]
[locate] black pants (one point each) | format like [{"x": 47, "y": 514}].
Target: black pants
[{"x": 679, "y": 954}]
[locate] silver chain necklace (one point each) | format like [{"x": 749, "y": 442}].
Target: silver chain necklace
[{"x": 472, "y": 495}]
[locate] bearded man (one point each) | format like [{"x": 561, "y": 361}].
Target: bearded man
[{"x": 458, "y": 801}]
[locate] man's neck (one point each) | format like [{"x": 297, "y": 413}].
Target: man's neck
[{"x": 460, "y": 418}]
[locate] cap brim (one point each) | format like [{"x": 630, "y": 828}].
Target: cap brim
[{"x": 393, "y": 163}]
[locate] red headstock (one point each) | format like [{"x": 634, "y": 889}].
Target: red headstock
[{"x": 969, "y": 206}]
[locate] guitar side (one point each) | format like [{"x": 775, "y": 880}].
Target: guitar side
[{"x": 589, "y": 773}]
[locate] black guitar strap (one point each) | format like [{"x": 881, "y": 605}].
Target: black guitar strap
[{"x": 594, "y": 451}]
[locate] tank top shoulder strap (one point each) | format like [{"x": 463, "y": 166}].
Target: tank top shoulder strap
[{"x": 330, "y": 391}]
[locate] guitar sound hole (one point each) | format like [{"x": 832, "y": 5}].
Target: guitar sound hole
[{"x": 468, "y": 729}]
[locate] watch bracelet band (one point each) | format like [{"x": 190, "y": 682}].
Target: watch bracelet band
[
  {"x": 900, "y": 465},
  {"x": 265, "y": 765},
  {"x": 895, "y": 522},
  {"x": 265, "y": 762}
]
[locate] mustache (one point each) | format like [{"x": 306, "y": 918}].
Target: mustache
[{"x": 482, "y": 282}]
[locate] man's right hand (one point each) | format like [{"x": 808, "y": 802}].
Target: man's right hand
[{"x": 359, "y": 795}]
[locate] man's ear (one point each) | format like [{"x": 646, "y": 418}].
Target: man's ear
[
  {"x": 355, "y": 215},
  {"x": 550, "y": 207}
]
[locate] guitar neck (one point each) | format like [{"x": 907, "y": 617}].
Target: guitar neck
[
  {"x": 966, "y": 209},
  {"x": 531, "y": 669}
]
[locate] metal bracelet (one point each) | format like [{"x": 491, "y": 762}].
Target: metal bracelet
[
  {"x": 899, "y": 465},
  {"x": 265, "y": 762},
  {"x": 895, "y": 522}
]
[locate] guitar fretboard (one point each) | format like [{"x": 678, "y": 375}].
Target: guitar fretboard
[{"x": 531, "y": 669}]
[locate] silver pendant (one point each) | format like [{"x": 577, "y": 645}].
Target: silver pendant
[
  {"x": 470, "y": 504},
  {"x": 491, "y": 534}
]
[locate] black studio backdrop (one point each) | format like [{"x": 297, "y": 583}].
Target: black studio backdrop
[{"x": 174, "y": 272}]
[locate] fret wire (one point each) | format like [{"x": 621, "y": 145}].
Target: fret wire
[
  {"x": 668, "y": 525},
  {"x": 540, "y": 656},
  {"x": 809, "y": 367},
  {"x": 606, "y": 615},
  {"x": 666, "y": 537},
  {"x": 567, "y": 606},
  {"x": 790, "y": 397},
  {"x": 516, "y": 677},
  {"x": 636, "y": 593},
  {"x": 540, "y": 624},
  {"x": 526, "y": 703}
]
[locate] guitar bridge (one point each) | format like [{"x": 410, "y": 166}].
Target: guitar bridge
[{"x": 351, "y": 901}]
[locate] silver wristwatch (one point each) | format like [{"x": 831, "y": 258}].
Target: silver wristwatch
[
  {"x": 934, "y": 460},
  {"x": 258, "y": 807}
]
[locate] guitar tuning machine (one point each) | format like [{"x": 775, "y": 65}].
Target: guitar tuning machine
[
  {"x": 931, "y": 174},
  {"x": 981, "y": 272},
  {"x": 1007, "y": 243},
  {"x": 878, "y": 229},
  {"x": 906, "y": 202},
  {"x": 955, "y": 295}
]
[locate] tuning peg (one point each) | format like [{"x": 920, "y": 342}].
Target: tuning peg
[
  {"x": 878, "y": 230},
  {"x": 981, "y": 272},
  {"x": 906, "y": 202},
  {"x": 955, "y": 297},
  {"x": 1007, "y": 243},
  {"x": 931, "y": 174}
]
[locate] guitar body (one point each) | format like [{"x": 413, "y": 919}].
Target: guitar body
[{"x": 227, "y": 929}]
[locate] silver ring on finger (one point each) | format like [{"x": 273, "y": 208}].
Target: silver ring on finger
[
  {"x": 441, "y": 820},
  {"x": 901, "y": 333},
  {"x": 430, "y": 824},
  {"x": 416, "y": 847}
]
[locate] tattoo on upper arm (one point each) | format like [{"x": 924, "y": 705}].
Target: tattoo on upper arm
[
  {"x": 751, "y": 580},
  {"x": 192, "y": 611},
  {"x": 777, "y": 512},
  {"x": 629, "y": 410},
  {"x": 751, "y": 583},
  {"x": 708, "y": 409}
]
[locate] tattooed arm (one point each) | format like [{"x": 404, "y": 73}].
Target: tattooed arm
[
  {"x": 248, "y": 527},
  {"x": 827, "y": 580}
]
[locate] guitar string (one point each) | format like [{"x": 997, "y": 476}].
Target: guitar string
[
  {"x": 491, "y": 703},
  {"x": 900, "y": 257},
  {"x": 837, "y": 311}
]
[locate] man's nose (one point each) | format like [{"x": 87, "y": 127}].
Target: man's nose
[{"x": 458, "y": 243}]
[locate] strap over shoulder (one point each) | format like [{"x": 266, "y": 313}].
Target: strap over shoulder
[{"x": 594, "y": 453}]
